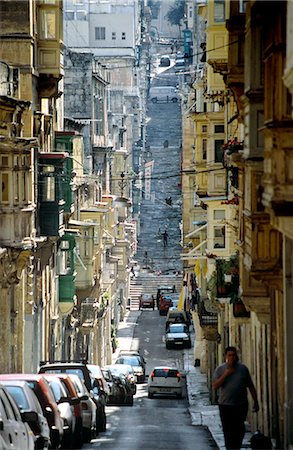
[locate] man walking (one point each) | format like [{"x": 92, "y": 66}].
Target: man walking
[
  {"x": 165, "y": 238},
  {"x": 232, "y": 380}
]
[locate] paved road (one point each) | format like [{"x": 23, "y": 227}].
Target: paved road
[{"x": 159, "y": 423}]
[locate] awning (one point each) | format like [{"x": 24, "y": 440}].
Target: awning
[{"x": 193, "y": 233}]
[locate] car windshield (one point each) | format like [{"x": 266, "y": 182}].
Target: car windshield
[
  {"x": 177, "y": 328},
  {"x": 19, "y": 396},
  {"x": 130, "y": 360}
]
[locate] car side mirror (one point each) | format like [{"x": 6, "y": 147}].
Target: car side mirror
[
  {"x": 64, "y": 400},
  {"x": 29, "y": 416},
  {"x": 75, "y": 400}
]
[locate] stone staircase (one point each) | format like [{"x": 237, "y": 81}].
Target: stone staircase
[{"x": 148, "y": 283}]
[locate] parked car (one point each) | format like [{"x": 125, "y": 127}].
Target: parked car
[
  {"x": 165, "y": 381},
  {"x": 134, "y": 353},
  {"x": 88, "y": 409},
  {"x": 27, "y": 402},
  {"x": 134, "y": 362},
  {"x": 146, "y": 301},
  {"x": 126, "y": 375},
  {"x": 164, "y": 289},
  {"x": 14, "y": 429},
  {"x": 165, "y": 303},
  {"x": 67, "y": 401},
  {"x": 165, "y": 61},
  {"x": 174, "y": 296},
  {"x": 82, "y": 370},
  {"x": 97, "y": 373},
  {"x": 117, "y": 392},
  {"x": 44, "y": 394},
  {"x": 163, "y": 94},
  {"x": 177, "y": 316},
  {"x": 177, "y": 334}
]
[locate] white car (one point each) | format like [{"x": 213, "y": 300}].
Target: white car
[
  {"x": 166, "y": 381},
  {"x": 177, "y": 334},
  {"x": 14, "y": 429}
]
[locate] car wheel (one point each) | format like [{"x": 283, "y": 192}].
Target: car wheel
[
  {"x": 168, "y": 346},
  {"x": 87, "y": 435},
  {"x": 174, "y": 100},
  {"x": 150, "y": 395},
  {"x": 129, "y": 401}
]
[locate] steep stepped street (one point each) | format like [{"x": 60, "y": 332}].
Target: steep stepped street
[
  {"x": 148, "y": 283},
  {"x": 161, "y": 204}
]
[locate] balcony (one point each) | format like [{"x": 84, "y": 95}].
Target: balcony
[
  {"x": 55, "y": 191},
  {"x": 88, "y": 313},
  {"x": 278, "y": 190},
  {"x": 263, "y": 249},
  {"x": 49, "y": 48},
  {"x": 208, "y": 321}
]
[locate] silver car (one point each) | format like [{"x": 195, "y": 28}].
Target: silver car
[
  {"x": 88, "y": 409},
  {"x": 27, "y": 401},
  {"x": 14, "y": 429}
]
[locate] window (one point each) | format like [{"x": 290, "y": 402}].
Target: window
[
  {"x": 48, "y": 24},
  {"x": 219, "y": 128},
  {"x": 204, "y": 128},
  {"x": 81, "y": 15},
  {"x": 218, "y": 150},
  {"x": 219, "y": 11},
  {"x": 219, "y": 237},
  {"x": 219, "y": 214},
  {"x": 100, "y": 33},
  {"x": 204, "y": 149},
  {"x": 113, "y": 35},
  {"x": 4, "y": 187},
  {"x": 63, "y": 262},
  {"x": 123, "y": 36},
  {"x": 48, "y": 184},
  {"x": 69, "y": 15}
]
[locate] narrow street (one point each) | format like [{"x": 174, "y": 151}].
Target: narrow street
[
  {"x": 164, "y": 153},
  {"x": 158, "y": 423}
]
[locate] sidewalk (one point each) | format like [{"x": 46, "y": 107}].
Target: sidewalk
[{"x": 201, "y": 411}]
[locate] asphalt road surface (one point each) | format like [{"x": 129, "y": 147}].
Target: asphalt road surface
[{"x": 158, "y": 423}]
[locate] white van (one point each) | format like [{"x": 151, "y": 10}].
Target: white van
[{"x": 163, "y": 94}]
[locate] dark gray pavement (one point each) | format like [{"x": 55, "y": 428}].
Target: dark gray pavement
[{"x": 202, "y": 412}]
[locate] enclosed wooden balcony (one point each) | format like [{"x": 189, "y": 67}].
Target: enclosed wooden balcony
[
  {"x": 263, "y": 249},
  {"x": 278, "y": 184}
]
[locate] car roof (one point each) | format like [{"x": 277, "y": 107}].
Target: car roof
[
  {"x": 166, "y": 368},
  {"x": 22, "y": 376}
]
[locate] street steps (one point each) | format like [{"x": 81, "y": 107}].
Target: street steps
[{"x": 148, "y": 283}]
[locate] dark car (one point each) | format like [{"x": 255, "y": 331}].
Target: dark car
[
  {"x": 127, "y": 380},
  {"x": 146, "y": 301},
  {"x": 135, "y": 363},
  {"x": 84, "y": 373},
  {"x": 116, "y": 394},
  {"x": 134, "y": 353},
  {"x": 27, "y": 401},
  {"x": 43, "y": 392}
]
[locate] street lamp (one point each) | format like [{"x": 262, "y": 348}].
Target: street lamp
[{"x": 122, "y": 200}]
